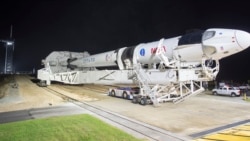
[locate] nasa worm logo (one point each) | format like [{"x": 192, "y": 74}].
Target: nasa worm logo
[{"x": 142, "y": 52}]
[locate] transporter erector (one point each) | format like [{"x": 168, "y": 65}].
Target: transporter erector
[{"x": 166, "y": 70}]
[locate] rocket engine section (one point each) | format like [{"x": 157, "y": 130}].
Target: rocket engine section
[{"x": 59, "y": 61}]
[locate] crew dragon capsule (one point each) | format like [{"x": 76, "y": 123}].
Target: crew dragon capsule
[{"x": 190, "y": 49}]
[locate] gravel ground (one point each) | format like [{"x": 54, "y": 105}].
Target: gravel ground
[
  {"x": 27, "y": 95},
  {"x": 194, "y": 115}
]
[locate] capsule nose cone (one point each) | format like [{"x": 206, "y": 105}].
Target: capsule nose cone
[{"x": 243, "y": 38}]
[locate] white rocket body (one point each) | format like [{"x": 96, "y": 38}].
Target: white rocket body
[{"x": 189, "y": 49}]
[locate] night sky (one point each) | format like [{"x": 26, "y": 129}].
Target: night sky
[{"x": 40, "y": 27}]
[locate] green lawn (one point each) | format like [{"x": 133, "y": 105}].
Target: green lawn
[{"x": 67, "y": 128}]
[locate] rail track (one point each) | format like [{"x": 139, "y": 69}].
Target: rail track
[
  {"x": 150, "y": 132},
  {"x": 93, "y": 88}
]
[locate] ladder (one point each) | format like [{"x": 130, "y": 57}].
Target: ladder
[
  {"x": 188, "y": 94},
  {"x": 143, "y": 83}
]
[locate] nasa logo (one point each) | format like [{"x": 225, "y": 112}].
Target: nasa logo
[
  {"x": 108, "y": 57},
  {"x": 155, "y": 49},
  {"x": 142, "y": 52}
]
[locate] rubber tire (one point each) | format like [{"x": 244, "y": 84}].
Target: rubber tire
[
  {"x": 143, "y": 101},
  {"x": 135, "y": 100},
  {"x": 125, "y": 95},
  {"x": 214, "y": 93},
  {"x": 233, "y": 95},
  {"x": 112, "y": 93}
]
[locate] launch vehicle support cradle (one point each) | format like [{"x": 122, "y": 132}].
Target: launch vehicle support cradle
[
  {"x": 184, "y": 82},
  {"x": 184, "y": 65}
]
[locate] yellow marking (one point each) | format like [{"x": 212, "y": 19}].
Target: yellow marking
[
  {"x": 244, "y": 127},
  {"x": 203, "y": 140},
  {"x": 238, "y": 133},
  {"x": 224, "y": 137}
]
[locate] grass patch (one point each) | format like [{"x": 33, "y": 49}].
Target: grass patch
[{"x": 74, "y": 128}]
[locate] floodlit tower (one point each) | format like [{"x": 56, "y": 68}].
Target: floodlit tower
[{"x": 7, "y": 67}]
